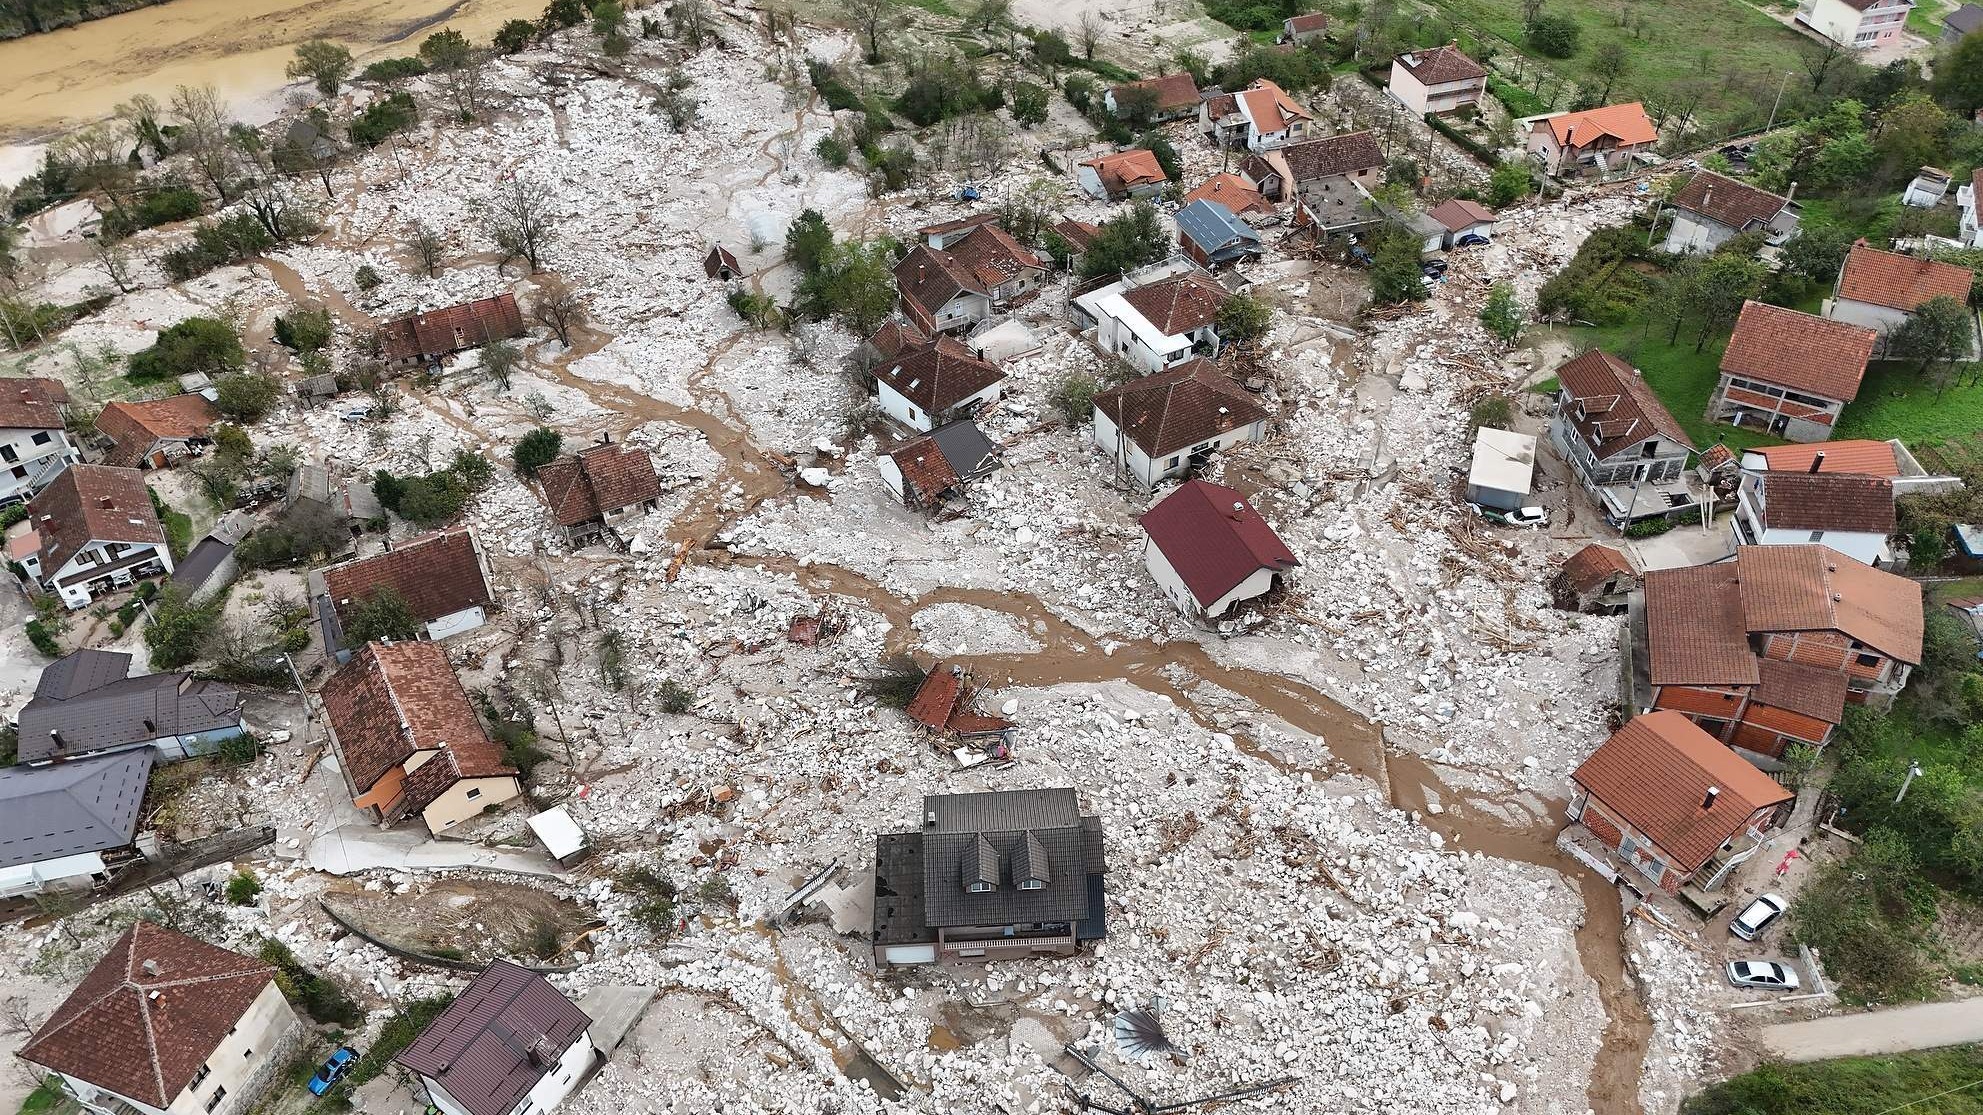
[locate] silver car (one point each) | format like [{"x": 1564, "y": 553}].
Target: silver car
[
  {"x": 1758, "y": 916},
  {"x": 1766, "y": 975}
]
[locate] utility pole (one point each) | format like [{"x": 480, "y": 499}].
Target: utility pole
[
  {"x": 1771, "y": 126},
  {"x": 1913, "y": 772}
]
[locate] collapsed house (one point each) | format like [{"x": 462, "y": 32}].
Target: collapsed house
[
  {"x": 927, "y": 471},
  {"x": 945, "y": 705},
  {"x": 159, "y": 433},
  {"x": 594, "y": 491},
  {"x": 1597, "y": 580},
  {"x": 429, "y": 337}
]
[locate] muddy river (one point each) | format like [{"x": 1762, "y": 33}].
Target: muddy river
[{"x": 52, "y": 82}]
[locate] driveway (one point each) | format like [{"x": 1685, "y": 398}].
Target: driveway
[
  {"x": 350, "y": 848},
  {"x": 1682, "y": 546},
  {"x": 1927, "y": 1026}
]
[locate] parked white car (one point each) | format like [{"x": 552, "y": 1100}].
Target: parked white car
[
  {"x": 1766, "y": 975},
  {"x": 1758, "y": 916}
]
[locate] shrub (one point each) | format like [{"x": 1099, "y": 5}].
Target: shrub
[
  {"x": 1554, "y": 36},
  {"x": 198, "y": 344},
  {"x": 1074, "y": 397},
  {"x": 831, "y": 87},
  {"x": 1079, "y": 89},
  {"x": 321, "y": 999},
  {"x": 1648, "y": 528},
  {"x": 240, "y": 749},
  {"x": 1029, "y": 104},
  {"x": 393, "y": 69},
  {"x": 759, "y": 311},
  {"x": 536, "y": 449},
  {"x": 230, "y": 239},
  {"x": 941, "y": 88},
  {"x": 366, "y": 277},
  {"x": 406, "y": 1024},
  {"x": 1501, "y": 314},
  {"x": 832, "y": 150},
  {"x": 383, "y": 614},
  {"x": 654, "y": 908},
  {"x": 303, "y": 532},
  {"x": 179, "y": 629},
  {"x": 165, "y": 205},
  {"x": 43, "y": 639},
  {"x": 897, "y": 684},
  {"x": 246, "y": 396},
  {"x": 675, "y": 697},
  {"x": 382, "y": 118},
  {"x": 1510, "y": 183},
  {"x": 514, "y": 35},
  {"x": 1496, "y": 412},
  {"x": 306, "y": 330},
  {"x": 243, "y": 888}
]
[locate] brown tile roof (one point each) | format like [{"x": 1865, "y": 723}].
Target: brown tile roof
[
  {"x": 438, "y": 575},
  {"x": 1613, "y": 409},
  {"x": 1694, "y": 629},
  {"x": 943, "y": 703},
  {"x": 92, "y": 503},
  {"x": 1626, "y": 123},
  {"x": 31, "y": 403},
  {"x": 394, "y": 700},
  {"x": 931, "y": 277},
  {"x": 895, "y": 338},
  {"x": 1440, "y": 65},
  {"x": 596, "y": 481},
  {"x": 1127, "y": 169},
  {"x": 957, "y": 225},
  {"x": 1816, "y": 588},
  {"x": 1174, "y": 91},
  {"x": 1813, "y": 355},
  {"x": 719, "y": 259},
  {"x": 1874, "y": 458},
  {"x": 1179, "y": 304},
  {"x": 1593, "y": 565},
  {"x": 1303, "y": 24},
  {"x": 926, "y": 472},
  {"x": 1271, "y": 109},
  {"x": 429, "y": 335},
  {"x": 1174, "y": 409},
  {"x": 1656, "y": 772},
  {"x": 1233, "y": 192},
  {"x": 1807, "y": 690},
  {"x": 1214, "y": 539},
  {"x": 1726, "y": 201},
  {"x": 134, "y": 428},
  {"x": 993, "y": 256},
  {"x": 1459, "y": 213},
  {"x": 1899, "y": 282},
  {"x": 1078, "y": 233},
  {"x": 499, "y": 1037},
  {"x": 938, "y": 375},
  {"x": 149, "y": 1014},
  {"x": 1849, "y": 501},
  {"x": 1332, "y": 155}
]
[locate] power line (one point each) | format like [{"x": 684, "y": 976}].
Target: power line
[{"x": 1925, "y": 1099}]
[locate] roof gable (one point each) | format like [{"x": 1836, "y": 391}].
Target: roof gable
[
  {"x": 1611, "y": 406},
  {"x": 1348, "y": 153},
  {"x": 1179, "y": 304},
  {"x": 1725, "y": 201},
  {"x": 393, "y": 700},
  {"x": 1899, "y": 282},
  {"x": 1214, "y": 539},
  {"x": 1440, "y": 65},
  {"x": 92, "y": 503},
  {"x": 1841, "y": 501},
  {"x": 1814, "y": 355},
  {"x": 1176, "y": 409},
  {"x": 598, "y": 481},
  {"x": 1656, "y": 772},
  {"x": 452, "y": 329},
  {"x": 939, "y": 375},
  {"x": 438, "y": 575},
  {"x": 500, "y": 1036},
  {"x": 1627, "y": 124}
]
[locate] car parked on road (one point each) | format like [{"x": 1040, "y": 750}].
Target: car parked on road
[
  {"x": 333, "y": 1070},
  {"x": 1530, "y": 516},
  {"x": 1765, "y": 975},
  {"x": 1758, "y": 916}
]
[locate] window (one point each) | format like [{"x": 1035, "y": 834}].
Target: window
[
  {"x": 9, "y": 454},
  {"x": 213, "y": 1101},
  {"x": 1817, "y": 536},
  {"x": 980, "y": 888},
  {"x": 246, "y": 1052},
  {"x": 1867, "y": 660},
  {"x": 20, "y": 472},
  {"x": 475, "y": 793},
  {"x": 200, "y": 1077},
  {"x": 1171, "y": 463},
  {"x": 1031, "y": 884},
  {"x": 41, "y": 437}
]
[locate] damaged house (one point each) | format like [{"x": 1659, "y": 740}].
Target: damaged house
[
  {"x": 1673, "y": 804},
  {"x": 1597, "y": 580},
  {"x": 1208, "y": 550},
  {"x": 1122, "y": 176},
  {"x": 1789, "y": 374},
  {"x": 1212, "y": 237},
  {"x": 1593, "y": 141},
  {"x": 86, "y": 703},
  {"x": 1172, "y": 423},
  {"x": 941, "y": 381},
  {"x": 1629, "y": 453},
  {"x": 159, "y": 433},
  {"x": 427, "y": 338},
  {"x": 990, "y": 876},
  {"x": 1710, "y": 210},
  {"x": 1313, "y": 166},
  {"x": 92, "y": 531},
  {"x": 408, "y": 740},
  {"x": 593, "y": 491},
  {"x": 442, "y": 577},
  {"x": 937, "y": 293},
  {"x": 1260, "y": 117},
  {"x": 926, "y": 471}
]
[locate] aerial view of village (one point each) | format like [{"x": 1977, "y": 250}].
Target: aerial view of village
[{"x": 994, "y": 557}]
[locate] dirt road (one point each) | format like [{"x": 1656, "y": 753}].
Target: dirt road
[{"x": 1927, "y": 1026}]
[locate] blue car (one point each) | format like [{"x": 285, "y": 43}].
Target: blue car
[{"x": 333, "y": 1070}]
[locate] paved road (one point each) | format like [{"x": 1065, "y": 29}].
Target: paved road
[
  {"x": 350, "y": 848},
  {"x": 1928, "y": 1026}
]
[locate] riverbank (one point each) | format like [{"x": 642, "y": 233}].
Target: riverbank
[{"x": 21, "y": 20}]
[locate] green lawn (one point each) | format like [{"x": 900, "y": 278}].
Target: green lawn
[
  {"x": 1926, "y": 18},
  {"x": 48, "y": 1097},
  {"x": 1894, "y": 402},
  {"x": 1682, "y": 378},
  {"x": 1939, "y": 1082},
  {"x": 1678, "y": 41}
]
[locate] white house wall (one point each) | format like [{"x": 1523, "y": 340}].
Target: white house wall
[
  {"x": 1692, "y": 232},
  {"x": 1259, "y": 581},
  {"x": 468, "y": 619},
  {"x": 19, "y": 477},
  {"x": 891, "y": 476}
]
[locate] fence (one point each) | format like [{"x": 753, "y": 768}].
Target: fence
[{"x": 178, "y": 859}]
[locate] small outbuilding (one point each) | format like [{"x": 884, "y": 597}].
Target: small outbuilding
[
  {"x": 721, "y": 265},
  {"x": 1596, "y": 579},
  {"x": 1503, "y": 471},
  {"x": 1462, "y": 219},
  {"x": 560, "y": 835}
]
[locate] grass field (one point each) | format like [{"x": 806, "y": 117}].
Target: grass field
[
  {"x": 1678, "y": 40},
  {"x": 1925, "y": 19},
  {"x": 1939, "y": 1082},
  {"x": 1894, "y": 402},
  {"x": 48, "y": 1097},
  {"x": 1682, "y": 378}
]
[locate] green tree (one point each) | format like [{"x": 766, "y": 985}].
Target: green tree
[
  {"x": 1243, "y": 319},
  {"x": 860, "y": 286},
  {"x": 1510, "y": 183},
  {"x": 514, "y": 35},
  {"x": 560, "y": 14},
  {"x": 1914, "y": 132},
  {"x": 1843, "y": 161},
  {"x": 1395, "y": 274},
  {"x": 305, "y": 330},
  {"x": 1817, "y": 252},
  {"x": 381, "y": 614},
  {"x": 1029, "y": 104},
  {"x": 1720, "y": 287},
  {"x": 1959, "y": 75},
  {"x": 446, "y": 50},
  {"x": 431, "y": 500},
  {"x": 608, "y": 17},
  {"x": 179, "y": 628},
  {"x": 246, "y": 396},
  {"x": 808, "y": 242},
  {"x": 499, "y": 360},
  {"x": 198, "y": 344},
  {"x": 323, "y": 62},
  {"x": 1501, "y": 314},
  {"x": 536, "y": 449},
  {"x": 1936, "y": 334},
  {"x": 1127, "y": 241},
  {"x": 1554, "y": 36},
  {"x": 1167, "y": 160}
]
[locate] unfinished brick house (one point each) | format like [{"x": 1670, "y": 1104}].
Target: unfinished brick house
[
  {"x": 1789, "y": 374},
  {"x": 426, "y": 338},
  {"x": 1674, "y": 805},
  {"x": 1764, "y": 652}
]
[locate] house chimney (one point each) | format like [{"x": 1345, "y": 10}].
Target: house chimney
[
  {"x": 1707, "y": 198},
  {"x": 1707, "y": 800},
  {"x": 150, "y": 967},
  {"x": 1818, "y": 461},
  {"x": 55, "y": 738},
  {"x": 1791, "y": 194},
  {"x": 1238, "y": 511}
]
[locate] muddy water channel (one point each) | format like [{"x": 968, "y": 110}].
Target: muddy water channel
[{"x": 54, "y": 81}]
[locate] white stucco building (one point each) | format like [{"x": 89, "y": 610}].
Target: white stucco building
[
  {"x": 924, "y": 387},
  {"x": 1164, "y": 425},
  {"x": 510, "y": 1044},
  {"x": 1209, "y": 551},
  {"x": 1859, "y": 24},
  {"x": 1436, "y": 81},
  {"x": 1155, "y": 318}
]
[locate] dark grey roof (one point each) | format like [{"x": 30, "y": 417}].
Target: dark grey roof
[
  {"x": 104, "y": 715},
  {"x": 80, "y": 671},
  {"x": 965, "y": 447},
  {"x": 1212, "y": 226},
  {"x": 199, "y": 565},
  {"x": 90, "y": 805},
  {"x": 1966, "y": 19},
  {"x": 499, "y": 1037},
  {"x": 898, "y": 890},
  {"x": 1000, "y": 837}
]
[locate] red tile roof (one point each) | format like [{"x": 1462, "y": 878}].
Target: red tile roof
[
  {"x": 1233, "y": 192},
  {"x": 1816, "y": 588},
  {"x": 1459, "y": 213},
  {"x": 1125, "y": 170},
  {"x": 1626, "y": 123},
  {"x": 30, "y": 403},
  {"x": 939, "y": 375},
  {"x": 992, "y": 256},
  {"x": 134, "y": 428},
  {"x": 1174, "y": 91},
  {"x": 1874, "y": 458},
  {"x": 1848, "y": 501},
  {"x": 931, "y": 277},
  {"x": 394, "y": 700},
  {"x": 438, "y": 575},
  {"x": 1078, "y": 233},
  {"x": 1271, "y": 109},
  {"x": 1593, "y": 565},
  {"x": 92, "y": 503},
  {"x": 1214, "y": 539},
  {"x": 597, "y": 481},
  {"x": 1899, "y": 282},
  {"x": 718, "y": 260},
  {"x": 926, "y": 472},
  {"x": 1694, "y": 629},
  {"x": 1612, "y": 409},
  {"x": 1440, "y": 65},
  {"x": 500, "y": 1036},
  {"x": 1807, "y": 690},
  {"x": 1656, "y": 771},
  {"x": 1175, "y": 409},
  {"x": 149, "y": 1014},
  {"x": 1303, "y": 24},
  {"x": 1813, "y": 355},
  {"x": 895, "y": 338},
  {"x": 430, "y": 335},
  {"x": 1726, "y": 201},
  {"x": 943, "y": 703},
  {"x": 1179, "y": 304}
]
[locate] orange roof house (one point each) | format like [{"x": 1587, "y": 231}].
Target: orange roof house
[
  {"x": 1897, "y": 282},
  {"x": 1125, "y": 174},
  {"x": 598, "y": 485},
  {"x": 1790, "y": 373},
  {"x": 1234, "y": 192},
  {"x": 1169, "y": 97},
  {"x": 1673, "y": 803},
  {"x": 157, "y": 433},
  {"x": 1595, "y": 140},
  {"x": 425, "y": 338}
]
